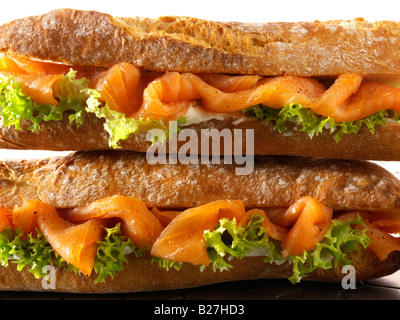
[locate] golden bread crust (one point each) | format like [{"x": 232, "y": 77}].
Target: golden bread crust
[
  {"x": 317, "y": 48},
  {"x": 383, "y": 145},
  {"x": 140, "y": 274},
  {"x": 83, "y": 177},
  {"x": 185, "y": 44}
]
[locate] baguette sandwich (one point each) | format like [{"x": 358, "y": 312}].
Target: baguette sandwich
[
  {"x": 319, "y": 89},
  {"x": 104, "y": 221},
  {"x": 108, "y": 221}
]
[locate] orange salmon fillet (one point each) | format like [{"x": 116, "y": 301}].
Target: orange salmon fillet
[
  {"x": 182, "y": 240},
  {"x": 349, "y": 98},
  {"x": 77, "y": 244},
  {"x": 22, "y": 65},
  {"x": 382, "y": 243},
  {"x": 273, "y": 230},
  {"x": 168, "y": 96},
  {"x": 179, "y": 236},
  {"x": 138, "y": 222},
  {"x": 119, "y": 87},
  {"x": 5, "y": 219},
  {"x": 312, "y": 222}
]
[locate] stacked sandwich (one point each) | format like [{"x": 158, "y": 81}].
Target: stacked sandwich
[{"x": 319, "y": 98}]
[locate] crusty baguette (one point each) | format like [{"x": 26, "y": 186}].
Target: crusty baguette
[
  {"x": 82, "y": 177},
  {"x": 383, "y": 145},
  {"x": 184, "y": 44},
  {"x": 140, "y": 275}
]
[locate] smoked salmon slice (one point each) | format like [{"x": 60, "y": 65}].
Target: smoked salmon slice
[
  {"x": 22, "y": 65},
  {"x": 38, "y": 88},
  {"x": 228, "y": 83},
  {"x": 140, "y": 94},
  {"x": 350, "y": 99},
  {"x": 138, "y": 222},
  {"x": 382, "y": 243},
  {"x": 165, "y": 216},
  {"x": 273, "y": 230},
  {"x": 179, "y": 236},
  {"x": 300, "y": 227},
  {"x": 77, "y": 244},
  {"x": 37, "y": 78},
  {"x": 7, "y": 64},
  {"x": 167, "y": 97},
  {"x": 274, "y": 92},
  {"x": 313, "y": 220},
  {"x": 183, "y": 241},
  {"x": 5, "y": 219},
  {"x": 336, "y": 96},
  {"x": 389, "y": 226},
  {"x": 119, "y": 86},
  {"x": 24, "y": 217}
]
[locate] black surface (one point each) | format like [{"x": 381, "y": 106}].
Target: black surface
[{"x": 386, "y": 288}]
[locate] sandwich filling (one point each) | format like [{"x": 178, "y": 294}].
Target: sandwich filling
[
  {"x": 131, "y": 100},
  {"x": 95, "y": 238}
]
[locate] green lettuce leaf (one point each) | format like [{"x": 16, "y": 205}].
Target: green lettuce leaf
[
  {"x": 310, "y": 122},
  {"x": 35, "y": 253},
  {"x": 75, "y": 99},
  {"x": 166, "y": 264},
  {"x": 15, "y": 106},
  {"x": 236, "y": 242},
  {"x": 228, "y": 241},
  {"x": 340, "y": 239},
  {"x": 232, "y": 241},
  {"x": 117, "y": 125},
  {"x": 111, "y": 253}
]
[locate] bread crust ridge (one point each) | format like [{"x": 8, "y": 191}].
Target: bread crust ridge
[
  {"x": 140, "y": 275},
  {"x": 185, "y": 44},
  {"x": 83, "y": 177},
  {"x": 382, "y": 145}
]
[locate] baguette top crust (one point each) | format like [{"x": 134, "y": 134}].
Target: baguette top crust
[
  {"x": 185, "y": 44},
  {"x": 80, "y": 178}
]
